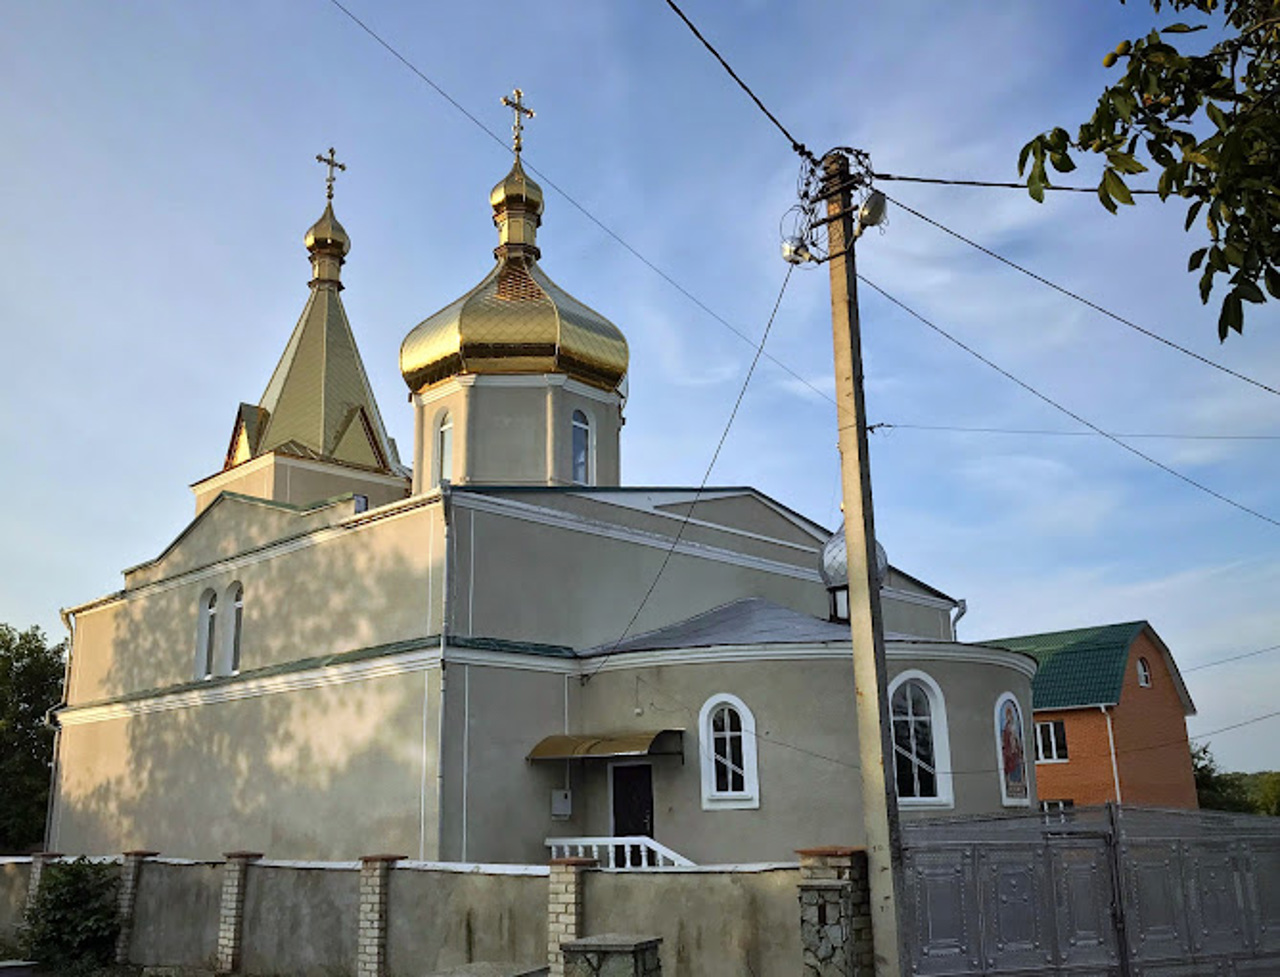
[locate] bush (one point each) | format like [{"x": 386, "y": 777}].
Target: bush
[{"x": 73, "y": 924}]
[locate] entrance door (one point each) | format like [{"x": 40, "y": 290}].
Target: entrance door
[{"x": 632, "y": 810}]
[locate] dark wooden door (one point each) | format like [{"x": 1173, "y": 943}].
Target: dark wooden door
[{"x": 632, "y": 809}]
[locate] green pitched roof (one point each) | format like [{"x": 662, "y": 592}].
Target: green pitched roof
[{"x": 1082, "y": 667}]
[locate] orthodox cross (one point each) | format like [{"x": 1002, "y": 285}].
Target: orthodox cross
[
  {"x": 330, "y": 161},
  {"x": 521, "y": 112}
]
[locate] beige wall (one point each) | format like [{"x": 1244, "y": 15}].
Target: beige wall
[
  {"x": 712, "y": 924},
  {"x": 917, "y": 620},
  {"x": 332, "y": 772},
  {"x": 299, "y": 482},
  {"x": 373, "y": 582}
]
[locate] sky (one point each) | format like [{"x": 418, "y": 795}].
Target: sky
[{"x": 158, "y": 176}]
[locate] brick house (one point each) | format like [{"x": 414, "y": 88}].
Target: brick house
[{"x": 1110, "y": 713}]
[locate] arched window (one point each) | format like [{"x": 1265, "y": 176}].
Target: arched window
[
  {"x": 582, "y": 460},
  {"x": 206, "y": 633},
  {"x": 442, "y": 463},
  {"x": 1144, "y": 673},
  {"x": 237, "y": 622},
  {"x": 727, "y": 734},
  {"x": 921, "y": 747},
  {"x": 1011, "y": 752}
]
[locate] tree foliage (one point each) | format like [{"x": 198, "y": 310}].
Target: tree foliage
[
  {"x": 30, "y": 684},
  {"x": 1210, "y": 123},
  {"x": 72, "y": 925},
  {"x": 1219, "y": 790}
]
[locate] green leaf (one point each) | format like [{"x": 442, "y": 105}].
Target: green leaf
[
  {"x": 1206, "y": 285},
  {"x": 1192, "y": 211},
  {"x": 1105, "y": 197},
  {"x": 1159, "y": 152},
  {"x": 1181, "y": 29},
  {"x": 1062, "y": 162},
  {"x": 1249, "y": 291},
  {"x": 1116, "y": 187},
  {"x": 1124, "y": 162},
  {"x": 1217, "y": 260},
  {"x": 1217, "y": 115},
  {"x": 1231, "y": 316},
  {"x": 1197, "y": 256},
  {"x": 1233, "y": 254},
  {"x": 1025, "y": 154},
  {"x": 1273, "y": 282},
  {"x": 1036, "y": 189}
]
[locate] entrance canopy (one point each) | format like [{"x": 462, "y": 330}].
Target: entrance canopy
[{"x": 603, "y": 746}]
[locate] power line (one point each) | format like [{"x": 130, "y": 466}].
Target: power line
[
  {"x": 1070, "y": 413},
  {"x": 796, "y": 145},
  {"x": 1051, "y": 432},
  {"x": 724, "y": 435},
  {"x": 573, "y": 201},
  {"x": 991, "y": 183},
  {"x": 1231, "y": 658},
  {"x": 1084, "y": 301}
]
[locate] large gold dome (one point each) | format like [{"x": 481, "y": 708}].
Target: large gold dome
[{"x": 517, "y": 320}]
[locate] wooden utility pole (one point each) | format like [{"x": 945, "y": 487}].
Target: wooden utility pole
[{"x": 875, "y": 740}]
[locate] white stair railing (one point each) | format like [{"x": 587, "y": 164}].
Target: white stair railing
[{"x": 624, "y": 851}]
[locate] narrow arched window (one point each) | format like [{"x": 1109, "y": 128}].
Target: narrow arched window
[
  {"x": 237, "y": 623},
  {"x": 727, "y": 734},
  {"x": 581, "y": 449},
  {"x": 1011, "y": 748},
  {"x": 921, "y": 750},
  {"x": 442, "y": 463},
  {"x": 206, "y": 634},
  {"x": 1144, "y": 673}
]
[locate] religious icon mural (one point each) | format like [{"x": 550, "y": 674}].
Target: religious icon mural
[{"x": 1013, "y": 754}]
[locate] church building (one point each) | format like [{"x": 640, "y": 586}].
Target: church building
[{"x": 457, "y": 660}]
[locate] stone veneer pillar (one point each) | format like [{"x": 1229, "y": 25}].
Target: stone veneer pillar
[
  {"x": 128, "y": 895},
  {"x": 38, "y": 862},
  {"x": 564, "y": 908},
  {"x": 231, "y": 910},
  {"x": 613, "y": 955},
  {"x": 371, "y": 938},
  {"x": 835, "y": 913}
]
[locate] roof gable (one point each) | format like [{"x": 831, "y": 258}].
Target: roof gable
[{"x": 1080, "y": 667}]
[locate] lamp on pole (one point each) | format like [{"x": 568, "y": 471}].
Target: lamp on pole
[{"x": 875, "y": 740}]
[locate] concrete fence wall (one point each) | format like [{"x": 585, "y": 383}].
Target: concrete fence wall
[
  {"x": 176, "y": 913},
  {"x": 15, "y": 874}
]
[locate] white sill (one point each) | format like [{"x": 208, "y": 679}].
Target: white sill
[
  {"x": 730, "y": 802},
  {"x": 926, "y": 802},
  {"x": 1063, "y": 760},
  {"x": 1015, "y": 802}
]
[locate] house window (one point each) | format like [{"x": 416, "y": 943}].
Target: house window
[
  {"x": 1051, "y": 741},
  {"x": 582, "y": 460},
  {"x": 727, "y": 734},
  {"x": 442, "y": 463},
  {"x": 1144, "y": 673},
  {"x": 921, "y": 750},
  {"x": 1011, "y": 751},
  {"x": 237, "y": 622},
  {"x": 206, "y": 631},
  {"x": 839, "y": 604}
]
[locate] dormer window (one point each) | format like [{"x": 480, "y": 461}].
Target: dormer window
[
  {"x": 839, "y": 604},
  {"x": 1144, "y": 673}
]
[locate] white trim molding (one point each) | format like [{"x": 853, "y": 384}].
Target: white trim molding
[
  {"x": 1005, "y": 799},
  {"x": 945, "y": 796},
  {"x": 749, "y": 797}
]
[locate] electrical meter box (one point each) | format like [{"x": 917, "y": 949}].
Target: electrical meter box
[{"x": 561, "y": 805}]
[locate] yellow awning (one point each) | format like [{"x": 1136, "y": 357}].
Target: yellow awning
[{"x": 588, "y": 746}]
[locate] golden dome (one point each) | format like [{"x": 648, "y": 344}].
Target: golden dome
[
  {"x": 517, "y": 320},
  {"x": 327, "y": 233}
]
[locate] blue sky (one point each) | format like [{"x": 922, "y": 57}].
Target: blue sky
[{"x": 158, "y": 177}]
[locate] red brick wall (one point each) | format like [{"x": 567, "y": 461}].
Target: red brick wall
[
  {"x": 1085, "y": 778},
  {"x": 1151, "y": 735}
]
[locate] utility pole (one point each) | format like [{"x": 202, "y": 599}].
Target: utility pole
[{"x": 875, "y": 740}]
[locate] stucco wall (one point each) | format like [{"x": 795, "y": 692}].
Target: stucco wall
[
  {"x": 176, "y": 914},
  {"x": 14, "y": 876},
  {"x": 712, "y": 924},
  {"x": 300, "y": 921},
  {"x": 372, "y": 583},
  {"x": 441, "y": 919},
  {"x": 331, "y": 771}
]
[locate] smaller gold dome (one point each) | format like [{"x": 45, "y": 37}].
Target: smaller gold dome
[
  {"x": 516, "y": 187},
  {"x": 327, "y": 233}
]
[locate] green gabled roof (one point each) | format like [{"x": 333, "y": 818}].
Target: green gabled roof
[{"x": 1082, "y": 667}]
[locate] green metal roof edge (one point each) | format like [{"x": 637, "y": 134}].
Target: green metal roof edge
[{"x": 1060, "y": 682}]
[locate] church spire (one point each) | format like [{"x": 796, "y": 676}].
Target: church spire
[
  {"x": 326, "y": 239},
  {"x": 517, "y": 200}
]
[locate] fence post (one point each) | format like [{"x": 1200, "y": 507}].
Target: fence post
[
  {"x": 231, "y": 910},
  {"x": 128, "y": 893},
  {"x": 371, "y": 939},
  {"x": 38, "y": 862},
  {"x": 564, "y": 908},
  {"x": 1115, "y": 854},
  {"x": 835, "y": 912}
]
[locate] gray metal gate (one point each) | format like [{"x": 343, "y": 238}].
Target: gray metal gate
[{"x": 1129, "y": 892}]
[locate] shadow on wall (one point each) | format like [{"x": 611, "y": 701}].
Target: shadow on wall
[{"x": 333, "y": 771}]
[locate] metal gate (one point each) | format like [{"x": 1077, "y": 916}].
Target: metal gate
[{"x": 1129, "y": 892}]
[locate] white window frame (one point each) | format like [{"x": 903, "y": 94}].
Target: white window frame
[
  {"x": 442, "y": 468},
  {"x": 749, "y": 797},
  {"x": 1144, "y": 673},
  {"x": 207, "y": 634},
  {"x": 588, "y": 426},
  {"x": 941, "y": 741},
  {"x": 233, "y": 597},
  {"x": 1053, "y": 736},
  {"x": 1027, "y": 762}
]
